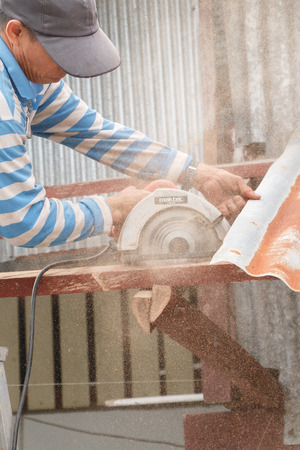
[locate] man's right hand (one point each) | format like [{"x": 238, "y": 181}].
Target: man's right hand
[{"x": 121, "y": 204}]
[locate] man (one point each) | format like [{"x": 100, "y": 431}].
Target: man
[{"x": 40, "y": 42}]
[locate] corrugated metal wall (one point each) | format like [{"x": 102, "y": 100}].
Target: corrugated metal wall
[{"x": 262, "y": 40}]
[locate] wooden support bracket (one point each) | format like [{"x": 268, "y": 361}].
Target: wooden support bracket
[
  {"x": 255, "y": 429},
  {"x": 166, "y": 309}
]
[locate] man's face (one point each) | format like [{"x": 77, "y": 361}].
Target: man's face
[
  {"x": 31, "y": 56},
  {"x": 35, "y": 61}
]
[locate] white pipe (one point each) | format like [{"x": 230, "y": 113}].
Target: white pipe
[{"x": 139, "y": 401}]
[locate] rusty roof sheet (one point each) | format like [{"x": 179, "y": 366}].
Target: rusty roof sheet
[{"x": 265, "y": 238}]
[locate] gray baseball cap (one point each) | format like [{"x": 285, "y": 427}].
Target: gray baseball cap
[{"x": 69, "y": 32}]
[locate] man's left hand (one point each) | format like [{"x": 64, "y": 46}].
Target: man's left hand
[{"x": 228, "y": 192}]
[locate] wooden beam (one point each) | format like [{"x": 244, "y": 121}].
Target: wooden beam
[
  {"x": 93, "y": 187},
  {"x": 108, "y": 278},
  {"x": 245, "y": 170},
  {"x": 174, "y": 316},
  {"x": 257, "y": 429},
  {"x": 251, "y": 169}
]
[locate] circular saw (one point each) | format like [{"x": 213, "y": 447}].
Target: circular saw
[{"x": 171, "y": 226}]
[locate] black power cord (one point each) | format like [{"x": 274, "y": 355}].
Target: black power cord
[{"x": 31, "y": 334}]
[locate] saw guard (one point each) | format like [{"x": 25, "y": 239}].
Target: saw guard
[{"x": 167, "y": 215}]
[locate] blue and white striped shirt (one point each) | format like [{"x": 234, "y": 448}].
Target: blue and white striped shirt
[{"x": 27, "y": 217}]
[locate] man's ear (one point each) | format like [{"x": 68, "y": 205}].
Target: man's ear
[{"x": 14, "y": 30}]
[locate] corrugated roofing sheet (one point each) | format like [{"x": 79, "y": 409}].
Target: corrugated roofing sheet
[{"x": 265, "y": 238}]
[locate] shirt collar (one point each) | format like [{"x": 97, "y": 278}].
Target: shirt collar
[{"x": 25, "y": 88}]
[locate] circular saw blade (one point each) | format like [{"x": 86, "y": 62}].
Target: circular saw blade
[
  {"x": 171, "y": 226},
  {"x": 176, "y": 235}
]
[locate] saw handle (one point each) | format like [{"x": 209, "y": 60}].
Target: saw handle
[
  {"x": 160, "y": 184},
  {"x": 151, "y": 187}
]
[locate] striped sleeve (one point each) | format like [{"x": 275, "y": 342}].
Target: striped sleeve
[
  {"x": 27, "y": 217},
  {"x": 66, "y": 119}
]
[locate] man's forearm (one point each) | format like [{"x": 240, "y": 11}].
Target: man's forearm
[{"x": 66, "y": 119}]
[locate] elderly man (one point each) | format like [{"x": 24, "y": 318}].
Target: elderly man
[{"x": 40, "y": 42}]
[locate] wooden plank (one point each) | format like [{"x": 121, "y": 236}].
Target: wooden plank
[
  {"x": 251, "y": 169},
  {"x": 193, "y": 330},
  {"x": 246, "y": 170},
  {"x": 107, "y": 186},
  {"x": 256, "y": 429},
  {"x": 107, "y": 278}
]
